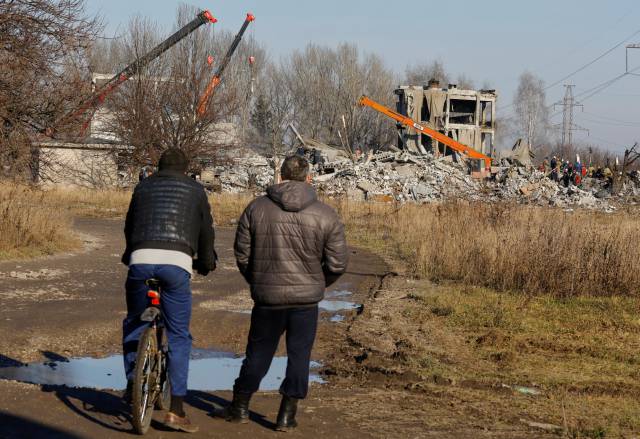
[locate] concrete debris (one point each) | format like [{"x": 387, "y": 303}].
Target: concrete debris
[{"x": 404, "y": 177}]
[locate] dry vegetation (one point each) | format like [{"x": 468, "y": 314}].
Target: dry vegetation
[
  {"x": 506, "y": 247},
  {"x": 473, "y": 358},
  {"x": 28, "y": 227}
]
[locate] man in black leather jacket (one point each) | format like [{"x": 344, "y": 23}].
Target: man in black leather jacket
[{"x": 169, "y": 223}]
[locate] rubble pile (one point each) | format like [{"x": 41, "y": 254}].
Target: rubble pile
[
  {"x": 252, "y": 173},
  {"x": 403, "y": 177}
]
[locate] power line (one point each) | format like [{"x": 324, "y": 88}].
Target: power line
[
  {"x": 601, "y": 87},
  {"x": 593, "y": 61},
  {"x": 597, "y": 37},
  {"x": 613, "y": 124},
  {"x": 612, "y": 119}
]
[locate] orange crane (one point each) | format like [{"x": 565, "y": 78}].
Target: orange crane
[
  {"x": 90, "y": 104},
  {"x": 217, "y": 77},
  {"x": 408, "y": 122}
]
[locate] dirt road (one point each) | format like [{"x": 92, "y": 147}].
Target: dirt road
[{"x": 72, "y": 305}]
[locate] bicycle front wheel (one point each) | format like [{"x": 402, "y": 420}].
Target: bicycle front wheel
[{"x": 144, "y": 384}]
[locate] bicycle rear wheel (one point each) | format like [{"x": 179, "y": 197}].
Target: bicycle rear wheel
[
  {"x": 163, "y": 402},
  {"x": 144, "y": 382}
]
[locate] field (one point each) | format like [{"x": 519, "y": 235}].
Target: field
[{"x": 494, "y": 316}]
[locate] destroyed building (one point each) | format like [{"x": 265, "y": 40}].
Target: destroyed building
[{"x": 467, "y": 116}]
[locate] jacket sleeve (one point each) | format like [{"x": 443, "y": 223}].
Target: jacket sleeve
[
  {"x": 206, "y": 238},
  {"x": 242, "y": 245},
  {"x": 128, "y": 225},
  {"x": 335, "y": 254}
]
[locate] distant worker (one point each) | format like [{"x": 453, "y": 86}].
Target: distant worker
[
  {"x": 289, "y": 246},
  {"x": 566, "y": 178},
  {"x": 554, "y": 169}
]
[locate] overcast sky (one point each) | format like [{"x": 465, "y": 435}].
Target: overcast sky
[{"x": 491, "y": 41}]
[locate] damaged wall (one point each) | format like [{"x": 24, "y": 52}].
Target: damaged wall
[{"x": 467, "y": 116}]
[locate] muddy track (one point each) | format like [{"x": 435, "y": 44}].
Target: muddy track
[{"x": 71, "y": 305}]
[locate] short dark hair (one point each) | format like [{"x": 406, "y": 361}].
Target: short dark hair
[
  {"x": 173, "y": 159},
  {"x": 294, "y": 168}
]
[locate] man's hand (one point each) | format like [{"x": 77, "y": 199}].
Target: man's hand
[
  {"x": 203, "y": 271},
  {"x": 200, "y": 269}
]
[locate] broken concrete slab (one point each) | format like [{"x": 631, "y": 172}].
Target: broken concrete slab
[{"x": 366, "y": 186}]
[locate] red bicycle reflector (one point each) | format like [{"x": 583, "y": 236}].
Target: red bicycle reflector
[
  {"x": 209, "y": 60},
  {"x": 153, "y": 294},
  {"x": 250, "y": 17}
]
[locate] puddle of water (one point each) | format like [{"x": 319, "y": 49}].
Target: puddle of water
[
  {"x": 337, "y": 305},
  {"x": 208, "y": 371},
  {"x": 338, "y": 293},
  {"x": 333, "y": 306}
]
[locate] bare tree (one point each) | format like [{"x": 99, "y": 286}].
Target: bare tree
[
  {"x": 42, "y": 69},
  {"x": 532, "y": 113},
  {"x": 273, "y": 112},
  {"x": 326, "y": 84},
  {"x": 421, "y": 74}
]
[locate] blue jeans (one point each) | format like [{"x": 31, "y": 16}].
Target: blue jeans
[{"x": 176, "y": 310}]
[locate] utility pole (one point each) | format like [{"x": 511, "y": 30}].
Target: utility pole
[
  {"x": 568, "y": 103},
  {"x": 630, "y": 46}
]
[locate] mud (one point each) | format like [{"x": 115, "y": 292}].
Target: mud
[{"x": 72, "y": 305}]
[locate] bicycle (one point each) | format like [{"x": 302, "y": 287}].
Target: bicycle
[{"x": 151, "y": 387}]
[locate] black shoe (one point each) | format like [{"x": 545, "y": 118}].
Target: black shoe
[
  {"x": 127, "y": 396},
  {"x": 287, "y": 414},
  {"x": 238, "y": 411}
]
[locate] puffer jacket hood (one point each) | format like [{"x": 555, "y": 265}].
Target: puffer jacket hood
[
  {"x": 289, "y": 246},
  {"x": 292, "y": 196}
]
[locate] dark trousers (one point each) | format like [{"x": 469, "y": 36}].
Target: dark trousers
[
  {"x": 176, "y": 311},
  {"x": 267, "y": 325}
]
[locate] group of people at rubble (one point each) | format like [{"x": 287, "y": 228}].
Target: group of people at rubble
[{"x": 565, "y": 172}]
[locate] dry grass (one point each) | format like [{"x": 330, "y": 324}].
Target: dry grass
[
  {"x": 227, "y": 208},
  {"x": 500, "y": 246},
  {"x": 506, "y": 247},
  {"x": 27, "y": 227},
  {"x": 467, "y": 349},
  {"x": 95, "y": 203}
]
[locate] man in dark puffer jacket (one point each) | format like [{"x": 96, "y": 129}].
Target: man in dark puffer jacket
[
  {"x": 289, "y": 246},
  {"x": 168, "y": 223}
]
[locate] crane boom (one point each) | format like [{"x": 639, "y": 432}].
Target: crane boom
[
  {"x": 408, "y": 122},
  {"x": 135, "y": 67},
  {"x": 217, "y": 77}
]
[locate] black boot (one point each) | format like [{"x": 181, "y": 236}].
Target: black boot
[
  {"x": 127, "y": 396},
  {"x": 287, "y": 414},
  {"x": 238, "y": 411}
]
